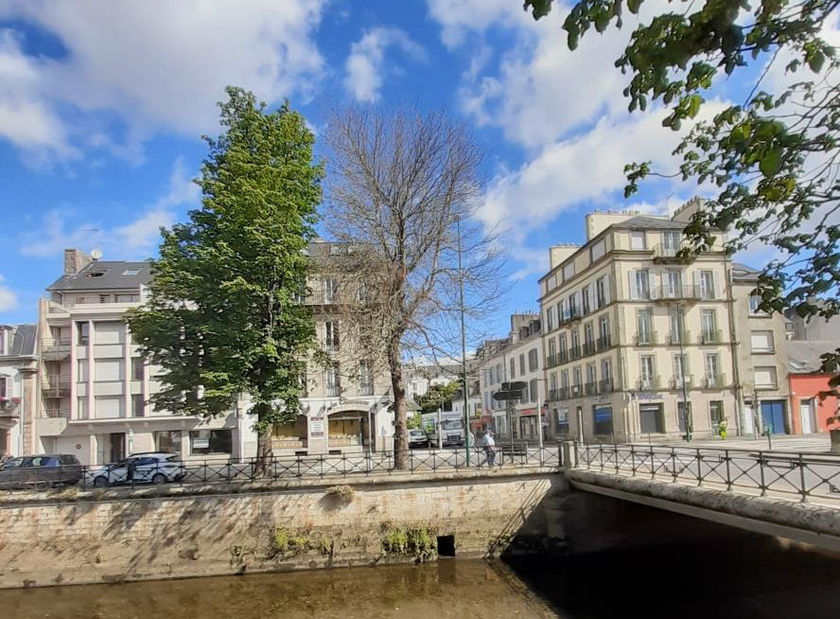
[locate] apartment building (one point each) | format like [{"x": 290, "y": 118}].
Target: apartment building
[
  {"x": 762, "y": 361},
  {"x": 18, "y": 380},
  {"x": 637, "y": 340},
  {"x": 94, "y": 385},
  {"x": 347, "y": 403},
  {"x": 518, "y": 357}
]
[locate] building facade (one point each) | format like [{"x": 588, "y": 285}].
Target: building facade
[
  {"x": 18, "y": 386},
  {"x": 638, "y": 340},
  {"x": 807, "y": 382},
  {"x": 94, "y": 386}
]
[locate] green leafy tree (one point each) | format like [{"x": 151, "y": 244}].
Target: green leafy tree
[
  {"x": 223, "y": 317},
  {"x": 438, "y": 396},
  {"x": 773, "y": 162}
]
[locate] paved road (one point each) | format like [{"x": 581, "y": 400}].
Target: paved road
[{"x": 812, "y": 443}]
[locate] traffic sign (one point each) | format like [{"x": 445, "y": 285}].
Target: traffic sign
[
  {"x": 516, "y": 385},
  {"x": 501, "y": 396}
]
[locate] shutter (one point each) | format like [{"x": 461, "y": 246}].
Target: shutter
[
  {"x": 696, "y": 282},
  {"x": 607, "y": 287},
  {"x": 652, "y": 285},
  {"x": 716, "y": 284},
  {"x": 593, "y": 296},
  {"x": 631, "y": 278}
]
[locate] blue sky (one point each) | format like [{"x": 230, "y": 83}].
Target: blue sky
[{"x": 102, "y": 106}]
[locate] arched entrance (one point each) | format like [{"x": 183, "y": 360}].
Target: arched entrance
[{"x": 346, "y": 424}]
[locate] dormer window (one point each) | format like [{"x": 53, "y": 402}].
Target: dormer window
[{"x": 96, "y": 273}]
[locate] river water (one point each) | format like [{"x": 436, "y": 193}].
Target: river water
[{"x": 680, "y": 582}]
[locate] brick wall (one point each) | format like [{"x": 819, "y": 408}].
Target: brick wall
[{"x": 121, "y": 535}]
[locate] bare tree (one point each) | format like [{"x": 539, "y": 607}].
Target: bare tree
[{"x": 401, "y": 188}]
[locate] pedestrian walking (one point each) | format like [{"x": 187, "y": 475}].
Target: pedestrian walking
[{"x": 490, "y": 448}]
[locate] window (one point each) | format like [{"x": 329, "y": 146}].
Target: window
[
  {"x": 712, "y": 364},
  {"x": 680, "y": 370},
  {"x": 644, "y": 326},
  {"x": 588, "y": 338},
  {"x": 637, "y": 240},
  {"x": 82, "y": 370},
  {"x": 587, "y": 304},
  {"x": 332, "y": 381},
  {"x": 672, "y": 284},
  {"x": 576, "y": 377},
  {"x": 551, "y": 284},
  {"x": 602, "y": 419},
  {"x": 513, "y": 368},
  {"x": 564, "y": 379},
  {"x": 573, "y": 305},
  {"x": 109, "y": 332},
  {"x": 138, "y": 405},
  {"x": 329, "y": 287},
  {"x": 524, "y": 396},
  {"x": 365, "y": 378},
  {"x": 168, "y": 441},
  {"x": 761, "y": 341},
  {"x": 331, "y": 335},
  {"x": 562, "y": 311},
  {"x": 211, "y": 442},
  {"x": 108, "y": 407},
  {"x": 533, "y": 360},
  {"x": 562, "y": 419},
  {"x": 131, "y": 272},
  {"x": 533, "y": 388},
  {"x": 126, "y": 298},
  {"x": 575, "y": 352},
  {"x": 677, "y": 321},
  {"x": 522, "y": 363},
  {"x": 651, "y": 419},
  {"x": 549, "y": 318},
  {"x": 98, "y": 273},
  {"x": 639, "y": 284},
  {"x": 499, "y": 372},
  {"x": 755, "y": 302},
  {"x": 604, "y": 332},
  {"x": 646, "y": 372},
  {"x": 707, "y": 285},
  {"x": 108, "y": 369},
  {"x": 591, "y": 377},
  {"x": 602, "y": 291},
  {"x": 104, "y": 298},
  {"x": 716, "y": 412},
  {"x": 552, "y": 381},
  {"x": 597, "y": 250},
  {"x": 606, "y": 375},
  {"x": 671, "y": 242},
  {"x": 563, "y": 345},
  {"x": 3, "y": 341},
  {"x": 82, "y": 411},
  {"x": 137, "y": 368},
  {"x": 569, "y": 271},
  {"x": 765, "y": 377},
  {"x": 708, "y": 323},
  {"x": 552, "y": 351},
  {"x": 82, "y": 332}
]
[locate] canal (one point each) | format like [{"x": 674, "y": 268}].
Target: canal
[{"x": 755, "y": 577}]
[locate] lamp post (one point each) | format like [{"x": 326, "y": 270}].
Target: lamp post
[
  {"x": 463, "y": 346},
  {"x": 687, "y": 421}
]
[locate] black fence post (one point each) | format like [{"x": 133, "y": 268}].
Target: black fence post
[
  {"x": 761, "y": 471},
  {"x": 802, "y": 478},
  {"x": 699, "y": 468},
  {"x": 728, "y": 474}
]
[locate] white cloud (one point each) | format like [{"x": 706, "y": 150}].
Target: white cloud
[
  {"x": 460, "y": 17},
  {"x": 364, "y": 66},
  {"x": 8, "y": 299},
  {"x": 153, "y": 66},
  {"x": 136, "y": 239}
]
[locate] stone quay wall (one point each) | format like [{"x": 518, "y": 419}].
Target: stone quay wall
[{"x": 115, "y": 535}]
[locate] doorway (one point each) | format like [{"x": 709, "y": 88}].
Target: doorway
[
  {"x": 773, "y": 416},
  {"x": 116, "y": 446},
  {"x": 806, "y": 416}
]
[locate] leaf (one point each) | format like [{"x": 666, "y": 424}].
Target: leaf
[
  {"x": 633, "y": 6},
  {"x": 815, "y": 61},
  {"x": 770, "y": 163}
]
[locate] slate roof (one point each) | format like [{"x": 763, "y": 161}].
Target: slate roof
[
  {"x": 655, "y": 223},
  {"x": 804, "y": 355},
  {"x": 23, "y": 342},
  {"x": 111, "y": 276}
]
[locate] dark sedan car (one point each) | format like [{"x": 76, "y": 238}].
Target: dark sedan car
[{"x": 41, "y": 471}]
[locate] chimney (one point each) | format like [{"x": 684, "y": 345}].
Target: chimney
[{"x": 74, "y": 261}]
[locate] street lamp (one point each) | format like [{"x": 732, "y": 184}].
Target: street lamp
[
  {"x": 687, "y": 421},
  {"x": 463, "y": 345}
]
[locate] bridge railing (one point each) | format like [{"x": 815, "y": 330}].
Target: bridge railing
[
  {"x": 802, "y": 476},
  {"x": 138, "y": 471}
]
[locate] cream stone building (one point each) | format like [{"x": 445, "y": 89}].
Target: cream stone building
[
  {"x": 637, "y": 341},
  {"x": 18, "y": 386}
]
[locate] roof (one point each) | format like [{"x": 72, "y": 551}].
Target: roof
[
  {"x": 106, "y": 275},
  {"x": 804, "y": 355},
  {"x": 645, "y": 221},
  {"x": 23, "y": 342},
  {"x": 742, "y": 271}
]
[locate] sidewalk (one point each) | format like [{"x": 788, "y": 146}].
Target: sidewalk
[{"x": 812, "y": 443}]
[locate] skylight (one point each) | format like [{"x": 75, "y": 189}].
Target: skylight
[
  {"x": 96, "y": 273},
  {"x": 131, "y": 272}
]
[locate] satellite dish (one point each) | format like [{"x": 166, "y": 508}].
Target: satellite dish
[{"x": 96, "y": 254}]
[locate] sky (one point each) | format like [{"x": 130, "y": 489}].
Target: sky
[{"x": 102, "y": 108}]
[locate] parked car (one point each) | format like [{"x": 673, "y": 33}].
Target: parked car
[
  {"x": 41, "y": 471},
  {"x": 145, "y": 468},
  {"x": 417, "y": 438}
]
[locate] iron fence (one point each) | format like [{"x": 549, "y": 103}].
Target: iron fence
[
  {"x": 140, "y": 470},
  {"x": 777, "y": 473}
]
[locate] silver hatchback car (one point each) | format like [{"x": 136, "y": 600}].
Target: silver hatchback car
[{"x": 146, "y": 468}]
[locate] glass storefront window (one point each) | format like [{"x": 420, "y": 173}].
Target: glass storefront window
[
  {"x": 211, "y": 442},
  {"x": 168, "y": 441}
]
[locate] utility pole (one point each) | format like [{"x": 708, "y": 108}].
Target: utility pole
[
  {"x": 463, "y": 346},
  {"x": 686, "y": 414}
]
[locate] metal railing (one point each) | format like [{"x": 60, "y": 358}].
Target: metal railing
[
  {"x": 785, "y": 474},
  {"x": 517, "y": 453}
]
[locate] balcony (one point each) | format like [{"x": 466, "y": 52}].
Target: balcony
[
  {"x": 603, "y": 343},
  {"x": 562, "y": 357},
  {"x": 552, "y": 361},
  {"x": 56, "y": 386},
  {"x": 648, "y": 384},
  {"x": 675, "y": 339},
  {"x": 646, "y": 339},
  {"x": 717, "y": 381},
  {"x": 668, "y": 254},
  {"x": 574, "y": 353},
  {"x": 9, "y": 407},
  {"x": 712, "y": 336},
  {"x": 589, "y": 348},
  {"x": 590, "y": 388},
  {"x": 55, "y": 349},
  {"x": 674, "y": 294},
  {"x": 576, "y": 391},
  {"x": 605, "y": 386},
  {"x": 677, "y": 383},
  {"x": 575, "y": 314}
]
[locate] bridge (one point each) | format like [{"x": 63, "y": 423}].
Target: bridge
[{"x": 785, "y": 494}]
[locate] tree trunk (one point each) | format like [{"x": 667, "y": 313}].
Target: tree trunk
[
  {"x": 262, "y": 466},
  {"x": 398, "y": 389}
]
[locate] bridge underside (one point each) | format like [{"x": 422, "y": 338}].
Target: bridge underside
[{"x": 806, "y": 523}]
